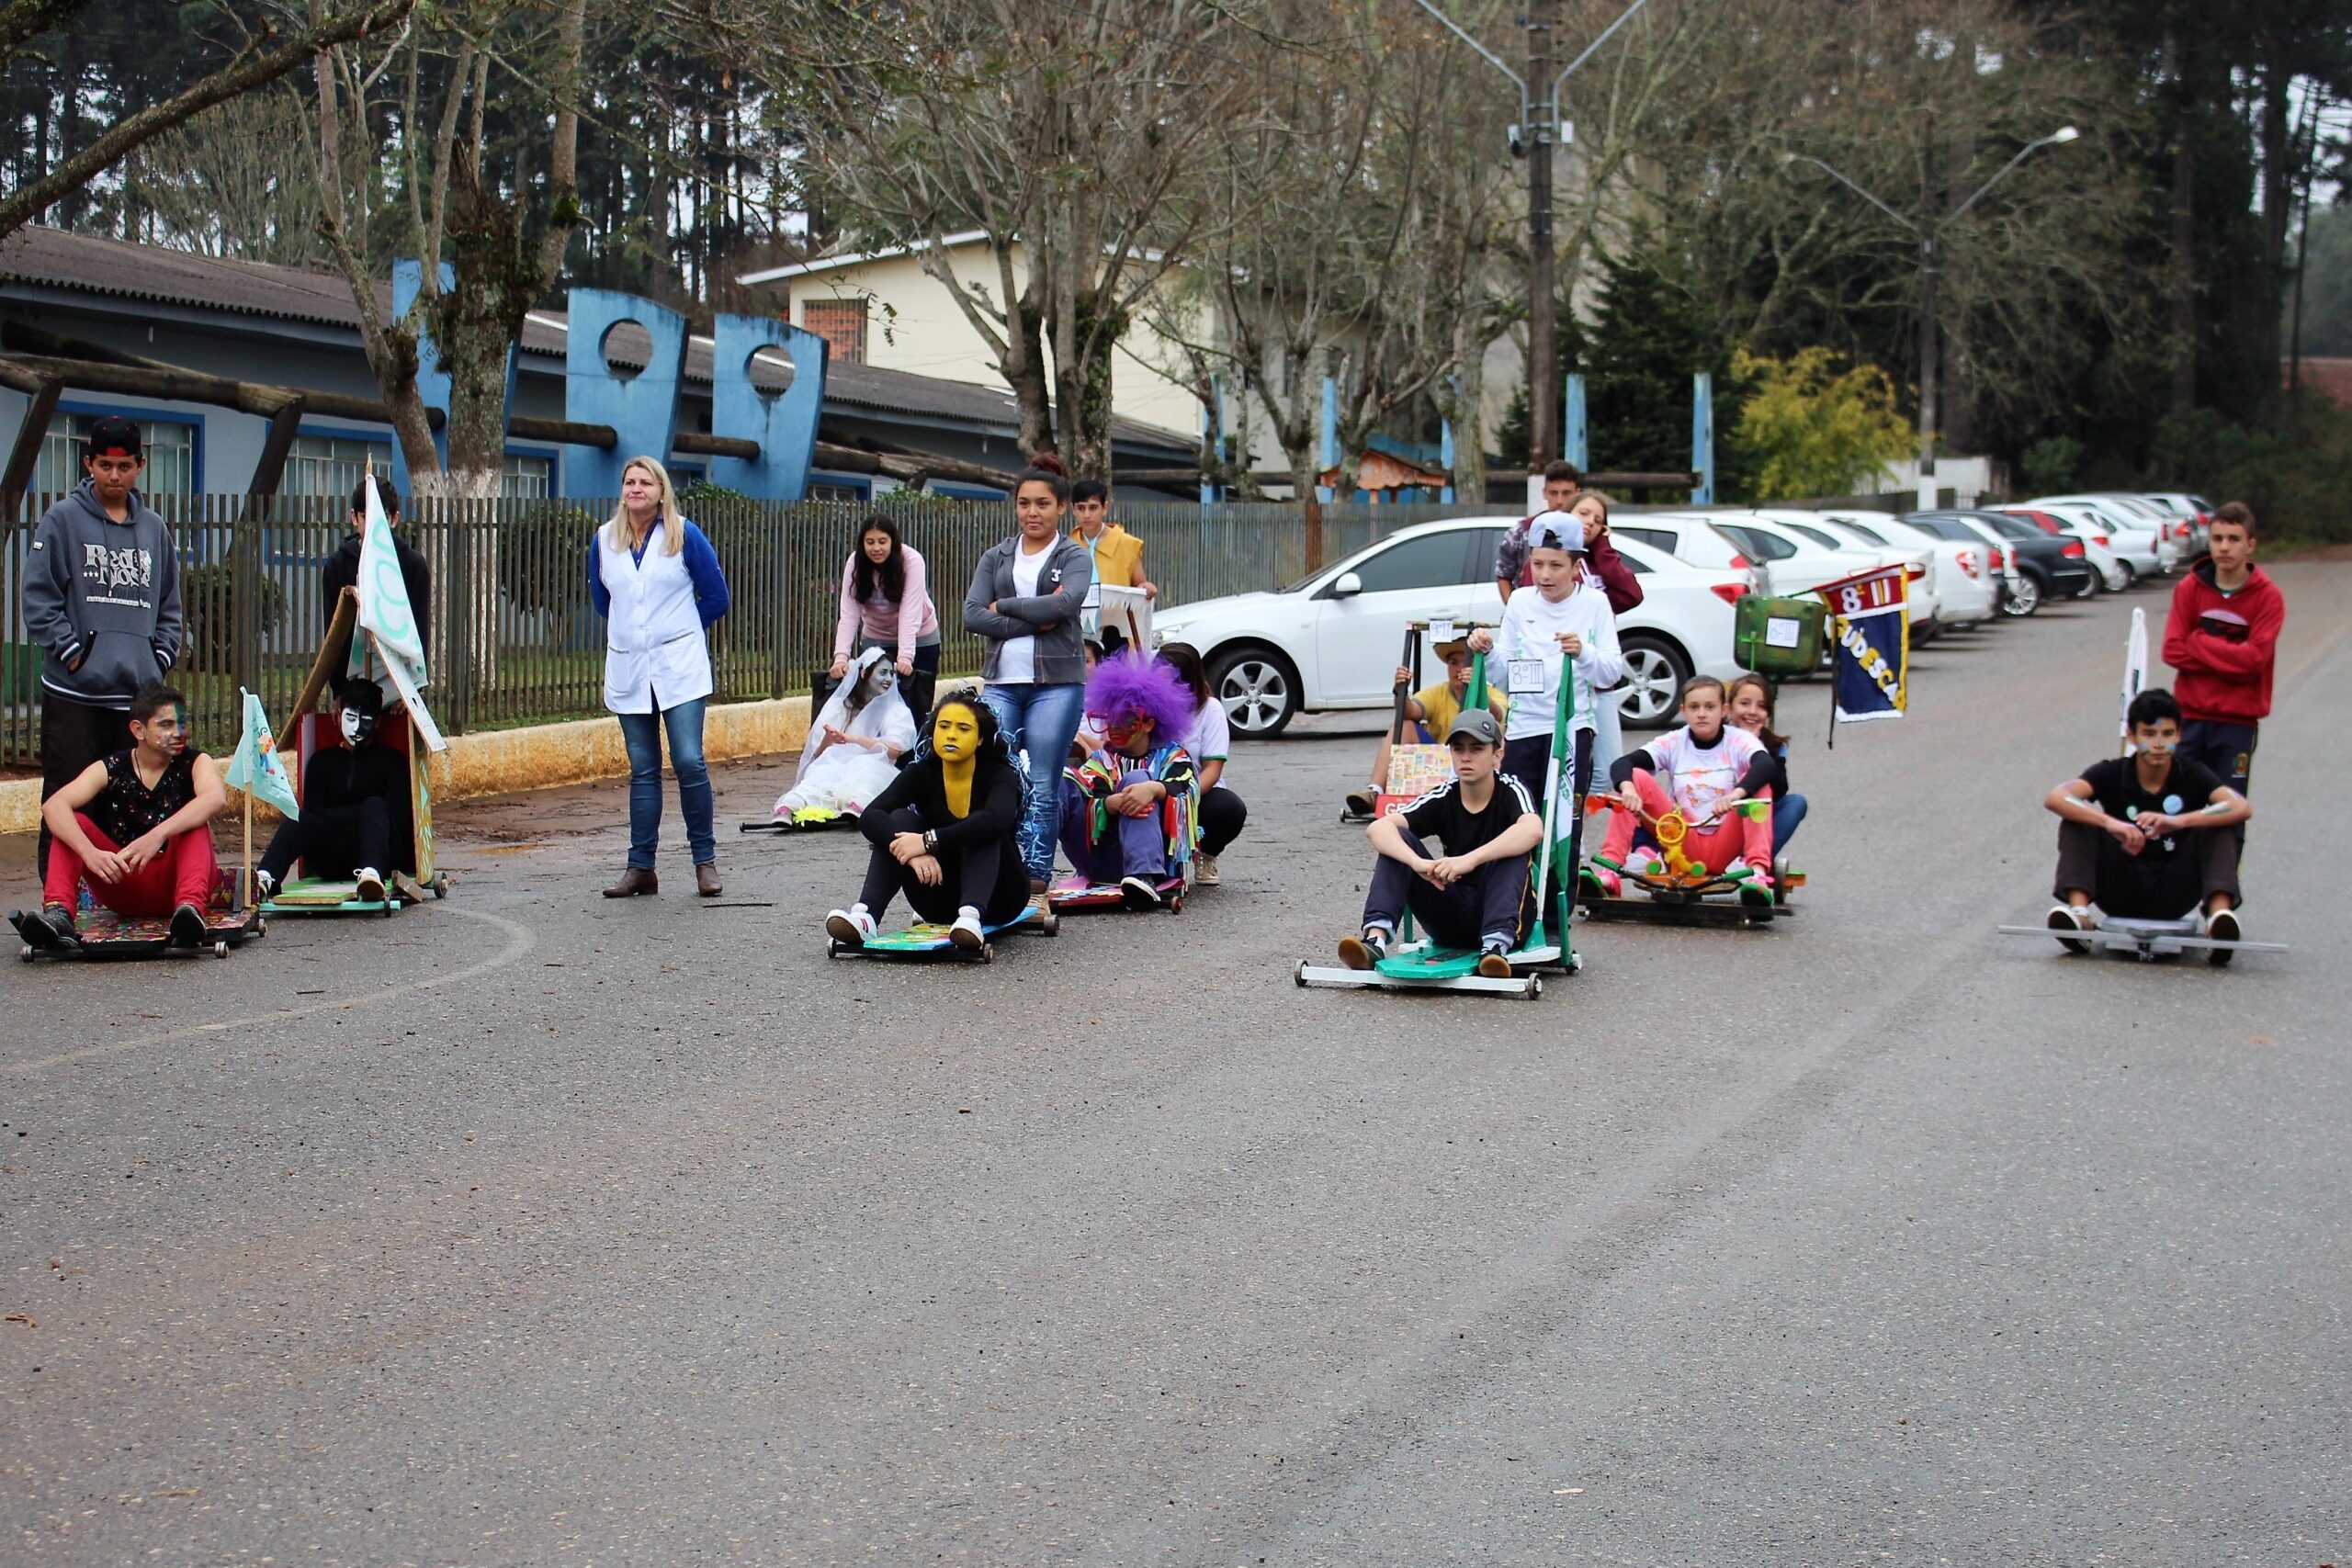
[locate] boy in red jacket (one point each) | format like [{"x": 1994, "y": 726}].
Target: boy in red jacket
[{"x": 2222, "y": 639}]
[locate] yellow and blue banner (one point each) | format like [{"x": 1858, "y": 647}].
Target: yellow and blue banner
[{"x": 1870, "y": 628}]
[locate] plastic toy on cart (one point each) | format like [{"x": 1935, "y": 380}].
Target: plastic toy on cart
[
  {"x": 1678, "y": 890},
  {"x": 1420, "y": 964},
  {"x": 928, "y": 939},
  {"x": 315, "y": 733},
  {"x": 1414, "y": 769},
  {"x": 1070, "y": 893},
  {"x": 102, "y": 933},
  {"x": 2147, "y": 939}
]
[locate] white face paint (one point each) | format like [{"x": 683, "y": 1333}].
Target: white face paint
[{"x": 356, "y": 728}]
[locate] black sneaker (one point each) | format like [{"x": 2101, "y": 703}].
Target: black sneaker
[
  {"x": 188, "y": 929},
  {"x": 1138, "y": 893},
  {"x": 1363, "y": 952},
  {"x": 2222, "y": 926},
  {"x": 51, "y": 929}
]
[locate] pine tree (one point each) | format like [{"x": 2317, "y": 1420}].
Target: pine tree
[{"x": 1650, "y": 333}]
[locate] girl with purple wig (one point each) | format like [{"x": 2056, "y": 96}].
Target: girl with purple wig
[{"x": 1127, "y": 810}]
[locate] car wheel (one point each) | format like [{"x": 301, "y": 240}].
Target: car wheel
[
  {"x": 2125, "y": 576},
  {"x": 1655, "y": 671},
  {"x": 2092, "y": 587},
  {"x": 2025, "y": 596},
  {"x": 1259, "y": 689}
]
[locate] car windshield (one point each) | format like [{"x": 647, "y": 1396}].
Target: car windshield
[{"x": 1429, "y": 561}]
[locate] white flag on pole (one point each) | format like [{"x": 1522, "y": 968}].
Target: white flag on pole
[
  {"x": 389, "y": 621},
  {"x": 2135, "y": 675}
]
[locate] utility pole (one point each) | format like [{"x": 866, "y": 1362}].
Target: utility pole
[
  {"x": 1543, "y": 316},
  {"x": 1930, "y": 269},
  {"x": 1540, "y": 128}
]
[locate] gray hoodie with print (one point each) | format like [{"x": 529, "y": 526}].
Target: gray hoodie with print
[{"x": 102, "y": 599}]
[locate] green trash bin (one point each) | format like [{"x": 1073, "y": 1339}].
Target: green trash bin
[{"x": 1778, "y": 636}]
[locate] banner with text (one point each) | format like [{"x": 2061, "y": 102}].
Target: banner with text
[{"x": 1870, "y": 626}]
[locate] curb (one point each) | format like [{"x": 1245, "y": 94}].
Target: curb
[{"x": 545, "y": 756}]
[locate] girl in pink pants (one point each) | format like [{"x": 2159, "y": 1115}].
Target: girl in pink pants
[{"x": 1705, "y": 770}]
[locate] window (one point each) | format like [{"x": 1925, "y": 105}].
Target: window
[
  {"x": 1433, "y": 561},
  {"x": 1655, "y": 538},
  {"x": 1484, "y": 545},
  {"x": 1826, "y": 541},
  {"x": 836, "y": 490},
  {"x": 841, "y": 323},
  {"x": 1758, "y": 543},
  {"x": 1873, "y": 535},
  {"x": 529, "y": 477},
  {"x": 170, "y": 447},
  {"x": 333, "y": 464}
]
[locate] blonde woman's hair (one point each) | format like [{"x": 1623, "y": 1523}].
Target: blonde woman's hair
[{"x": 621, "y": 536}]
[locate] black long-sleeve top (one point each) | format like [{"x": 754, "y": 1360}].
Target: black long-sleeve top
[
  {"x": 347, "y": 776},
  {"x": 922, "y": 784}
]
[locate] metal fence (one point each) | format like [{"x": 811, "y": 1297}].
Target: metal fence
[{"x": 514, "y": 639}]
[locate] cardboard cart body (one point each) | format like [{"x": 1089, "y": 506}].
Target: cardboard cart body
[{"x": 413, "y": 873}]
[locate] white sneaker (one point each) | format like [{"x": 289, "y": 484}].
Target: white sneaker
[
  {"x": 265, "y": 885},
  {"x": 852, "y": 926},
  {"x": 966, "y": 931},
  {"x": 1203, "y": 869},
  {"x": 2221, "y": 925},
  {"x": 368, "y": 885},
  {"x": 2072, "y": 917},
  {"x": 1641, "y": 862}
]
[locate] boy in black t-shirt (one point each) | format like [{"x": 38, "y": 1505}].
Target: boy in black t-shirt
[
  {"x": 2136, "y": 835},
  {"x": 1475, "y": 894}
]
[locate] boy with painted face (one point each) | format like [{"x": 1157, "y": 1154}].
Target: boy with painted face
[
  {"x": 2149, "y": 836},
  {"x": 1705, "y": 770},
  {"x": 354, "y": 804},
  {"x": 943, "y": 833},
  {"x": 1128, "y": 810},
  {"x": 133, "y": 826},
  {"x": 1475, "y": 893}
]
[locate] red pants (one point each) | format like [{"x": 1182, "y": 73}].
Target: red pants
[
  {"x": 184, "y": 873},
  {"x": 1715, "y": 845}
]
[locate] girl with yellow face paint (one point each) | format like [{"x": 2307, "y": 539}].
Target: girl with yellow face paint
[{"x": 942, "y": 834}]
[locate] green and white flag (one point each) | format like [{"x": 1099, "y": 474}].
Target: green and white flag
[
  {"x": 389, "y": 621},
  {"x": 256, "y": 768}
]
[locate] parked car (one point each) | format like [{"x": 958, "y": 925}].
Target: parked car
[
  {"x": 2133, "y": 536},
  {"x": 1331, "y": 642},
  {"x": 2192, "y": 514},
  {"x": 2111, "y": 575},
  {"x": 1689, "y": 536},
  {"x": 1967, "y": 577},
  {"x": 2048, "y": 566},
  {"x": 1847, "y": 556}
]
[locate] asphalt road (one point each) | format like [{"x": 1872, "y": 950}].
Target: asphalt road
[{"x": 531, "y": 1228}]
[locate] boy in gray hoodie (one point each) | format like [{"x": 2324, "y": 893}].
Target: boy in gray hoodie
[{"x": 102, "y": 601}]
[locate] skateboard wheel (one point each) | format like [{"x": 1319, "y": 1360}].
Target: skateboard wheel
[
  {"x": 833, "y": 948},
  {"x": 1575, "y": 963},
  {"x": 1298, "y": 975},
  {"x": 221, "y": 950},
  {"x": 988, "y": 952},
  {"x": 25, "y": 952}
]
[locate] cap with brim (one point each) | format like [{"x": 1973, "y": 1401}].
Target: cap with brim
[
  {"x": 1474, "y": 724},
  {"x": 114, "y": 436},
  {"x": 1567, "y": 526}
]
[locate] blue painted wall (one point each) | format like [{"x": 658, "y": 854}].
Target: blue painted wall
[
  {"x": 643, "y": 407},
  {"x": 783, "y": 424}
]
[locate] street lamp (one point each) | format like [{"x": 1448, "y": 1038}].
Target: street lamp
[
  {"x": 1538, "y": 123},
  {"x": 1929, "y": 270}
]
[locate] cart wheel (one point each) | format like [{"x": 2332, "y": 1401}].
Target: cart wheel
[
  {"x": 440, "y": 888},
  {"x": 833, "y": 948},
  {"x": 26, "y": 955},
  {"x": 1050, "y": 923},
  {"x": 1176, "y": 903},
  {"x": 261, "y": 925},
  {"x": 1575, "y": 963},
  {"x": 1535, "y": 987},
  {"x": 221, "y": 950},
  {"x": 988, "y": 952},
  {"x": 1298, "y": 975}
]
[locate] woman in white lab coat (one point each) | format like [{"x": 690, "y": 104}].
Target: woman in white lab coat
[{"x": 656, "y": 581}]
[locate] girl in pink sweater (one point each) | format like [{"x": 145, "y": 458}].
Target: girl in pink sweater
[{"x": 886, "y": 604}]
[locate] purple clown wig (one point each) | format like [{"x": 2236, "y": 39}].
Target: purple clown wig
[{"x": 1131, "y": 685}]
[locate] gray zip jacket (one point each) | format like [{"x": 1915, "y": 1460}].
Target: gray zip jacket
[
  {"x": 105, "y": 595},
  {"x": 1061, "y": 652}
]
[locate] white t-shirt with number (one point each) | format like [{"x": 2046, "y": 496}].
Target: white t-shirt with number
[
  {"x": 1017, "y": 660},
  {"x": 1526, "y": 660}
]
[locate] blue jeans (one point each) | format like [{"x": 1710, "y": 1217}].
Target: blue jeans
[
  {"x": 641, "y": 732},
  {"x": 1788, "y": 815},
  {"x": 1041, "y": 721}
]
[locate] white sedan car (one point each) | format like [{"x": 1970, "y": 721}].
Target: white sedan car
[
  {"x": 1332, "y": 642},
  {"x": 1963, "y": 578}
]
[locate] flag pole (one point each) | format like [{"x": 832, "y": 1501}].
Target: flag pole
[{"x": 245, "y": 896}]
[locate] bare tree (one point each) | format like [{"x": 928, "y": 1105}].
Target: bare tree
[
  {"x": 1067, "y": 139},
  {"x": 263, "y": 57},
  {"x": 235, "y": 180}
]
